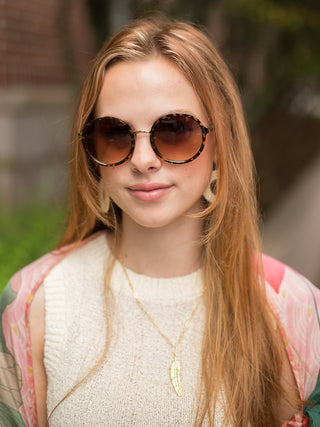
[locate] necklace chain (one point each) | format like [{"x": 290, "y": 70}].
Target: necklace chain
[{"x": 175, "y": 366}]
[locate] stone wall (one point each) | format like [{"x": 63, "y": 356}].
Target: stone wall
[{"x": 34, "y": 137}]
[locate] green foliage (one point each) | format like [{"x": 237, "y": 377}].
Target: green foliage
[
  {"x": 272, "y": 46},
  {"x": 10, "y": 416},
  {"x": 291, "y": 16},
  {"x": 27, "y": 234}
]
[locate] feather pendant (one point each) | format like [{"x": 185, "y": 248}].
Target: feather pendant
[{"x": 175, "y": 376}]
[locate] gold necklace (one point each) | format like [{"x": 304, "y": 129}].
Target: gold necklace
[{"x": 175, "y": 365}]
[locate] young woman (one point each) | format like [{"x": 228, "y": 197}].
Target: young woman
[{"x": 158, "y": 308}]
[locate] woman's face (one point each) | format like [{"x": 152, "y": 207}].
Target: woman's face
[{"x": 149, "y": 191}]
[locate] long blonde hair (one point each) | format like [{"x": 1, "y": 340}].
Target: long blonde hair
[{"x": 241, "y": 351}]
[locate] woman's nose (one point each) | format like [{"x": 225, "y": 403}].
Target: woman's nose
[{"x": 144, "y": 159}]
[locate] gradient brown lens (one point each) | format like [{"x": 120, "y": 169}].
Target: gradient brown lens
[
  {"x": 108, "y": 140},
  {"x": 177, "y": 137}
]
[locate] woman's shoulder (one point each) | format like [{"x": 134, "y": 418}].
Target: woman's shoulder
[
  {"x": 17, "y": 391},
  {"x": 22, "y": 287},
  {"x": 38, "y": 269},
  {"x": 296, "y": 304},
  {"x": 288, "y": 287}
]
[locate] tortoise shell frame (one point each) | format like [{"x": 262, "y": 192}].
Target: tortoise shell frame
[{"x": 204, "y": 130}]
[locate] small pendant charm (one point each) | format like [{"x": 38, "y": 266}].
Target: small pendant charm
[{"x": 175, "y": 376}]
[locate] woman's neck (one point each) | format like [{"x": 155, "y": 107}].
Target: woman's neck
[{"x": 173, "y": 250}]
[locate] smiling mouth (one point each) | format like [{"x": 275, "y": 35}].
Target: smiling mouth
[{"x": 149, "y": 192}]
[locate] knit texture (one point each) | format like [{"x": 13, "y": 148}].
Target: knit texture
[{"x": 132, "y": 387}]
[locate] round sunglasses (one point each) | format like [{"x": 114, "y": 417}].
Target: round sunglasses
[{"x": 175, "y": 138}]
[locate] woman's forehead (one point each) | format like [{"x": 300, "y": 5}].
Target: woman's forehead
[{"x": 151, "y": 87}]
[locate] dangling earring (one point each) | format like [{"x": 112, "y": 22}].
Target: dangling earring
[
  {"x": 104, "y": 200},
  {"x": 208, "y": 193}
]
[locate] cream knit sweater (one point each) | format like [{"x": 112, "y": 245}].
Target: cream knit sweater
[{"x": 132, "y": 387}]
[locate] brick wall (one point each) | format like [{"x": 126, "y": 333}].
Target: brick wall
[
  {"x": 43, "y": 41},
  {"x": 45, "y": 48}
]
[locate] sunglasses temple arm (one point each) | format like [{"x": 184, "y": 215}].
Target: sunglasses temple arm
[{"x": 206, "y": 130}]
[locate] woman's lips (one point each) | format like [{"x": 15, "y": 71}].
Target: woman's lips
[{"x": 149, "y": 192}]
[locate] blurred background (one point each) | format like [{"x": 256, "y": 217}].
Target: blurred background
[{"x": 272, "y": 48}]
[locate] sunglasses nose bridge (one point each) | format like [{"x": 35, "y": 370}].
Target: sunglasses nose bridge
[
  {"x": 144, "y": 156},
  {"x": 134, "y": 132}
]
